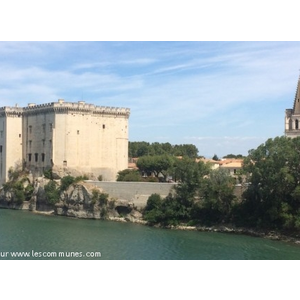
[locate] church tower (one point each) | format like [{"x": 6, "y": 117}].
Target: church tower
[{"x": 292, "y": 116}]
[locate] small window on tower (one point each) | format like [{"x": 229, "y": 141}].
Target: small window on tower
[
  {"x": 103, "y": 126},
  {"x": 29, "y": 157},
  {"x": 0, "y": 148},
  {"x": 77, "y": 131},
  {"x": 65, "y": 163},
  {"x": 43, "y": 157},
  {"x": 36, "y": 157}
]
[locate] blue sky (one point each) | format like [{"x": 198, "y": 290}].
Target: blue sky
[{"x": 224, "y": 97}]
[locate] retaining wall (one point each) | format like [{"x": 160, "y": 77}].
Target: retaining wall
[{"x": 135, "y": 192}]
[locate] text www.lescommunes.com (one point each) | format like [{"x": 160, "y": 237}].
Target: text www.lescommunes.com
[{"x": 50, "y": 254}]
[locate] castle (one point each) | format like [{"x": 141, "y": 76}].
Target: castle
[
  {"x": 65, "y": 136},
  {"x": 292, "y": 116}
]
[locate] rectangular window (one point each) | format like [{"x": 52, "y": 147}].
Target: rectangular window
[
  {"x": 103, "y": 126},
  {"x": 0, "y": 148},
  {"x": 43, "y": 157},
  {"x": 30, "y": 129},
  {"x": 36, "y": 157},
  {"x": 65, "y": 163},
  {"x": 77, "y": 131},
  {"x": 20, "y": 135},
  {"x": 29, "y": 157},
  {"x": 30, "y": 143}
]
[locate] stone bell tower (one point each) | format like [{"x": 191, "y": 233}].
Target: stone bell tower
[{"x": 292, "y": 116}]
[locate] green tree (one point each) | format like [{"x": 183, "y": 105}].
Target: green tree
[
  {"x": 158, "y": 164},
  {"x": 129, "y": 175},
  {"x": 216, "y": 198},
  {"x": 272, "y": 199}
]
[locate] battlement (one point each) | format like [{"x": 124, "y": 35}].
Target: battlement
[
  {"x": 79, "y": 106},
  {"x": 11, "y": 111}
]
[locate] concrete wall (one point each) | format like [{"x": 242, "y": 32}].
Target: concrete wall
[
  {"x": 139, "y": 192},
  {"x": 135, "y": 192}
]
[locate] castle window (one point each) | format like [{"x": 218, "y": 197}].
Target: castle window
[
  {"x": 30, "y": 129},
  {"x": 65, "y": 163},
  {"x": 0, "y": 148},
  {"x": 29, "y": 157},
  {"x": 103, "y": 126},
  {"x": 30, "y": 143},
  {"x": 50, "y": 125},
  {"x": 36, "y": 157},
  {"x": 297, "y": 124},
  {"x": 43, "y": 157},
  {"x": 20, "y": 135},
  {"x": 77, "y": 131}
]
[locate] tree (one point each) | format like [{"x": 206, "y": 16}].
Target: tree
[
  {"x": 216, "y": 198},
  {"x": 158, "y": 164},
  {"x": 272, "y": 199},
  {"x": 215, "y": 157},
  {"x": 129, "y": 175}
]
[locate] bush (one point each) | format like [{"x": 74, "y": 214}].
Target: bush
[
  {"x": 48, "y": 174},
  {"x": 103, "y": 198},
  {"x": 66, "y": 182},
  {"x": 129, "y": 175},
  {"x": 52, "y": 192}
]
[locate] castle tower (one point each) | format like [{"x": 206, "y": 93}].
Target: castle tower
[
  {"x": 76, "y": 139},
  {"x": 292, "y": 116},
  {"x": 70, "y": 138},
  {"x": 10, "y": 140}
]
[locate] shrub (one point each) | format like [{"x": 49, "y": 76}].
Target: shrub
[
  {"x": 48, "y": 174},
  {"x": 52, "y": 192},
  {"x": 66, "y": 182}
]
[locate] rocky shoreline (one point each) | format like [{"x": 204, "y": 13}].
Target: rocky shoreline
[{"x": 83, "y": 200}]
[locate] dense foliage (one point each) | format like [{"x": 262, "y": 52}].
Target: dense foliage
[
  {"x": 129, "y": 175},
  {"x": 52, "y": 192},
  {"x": 202, "y": 196},
  {"x": 19, "y": 185},
  {"x": 138, "y": 149},
  {"x": 271, "y": 200}
]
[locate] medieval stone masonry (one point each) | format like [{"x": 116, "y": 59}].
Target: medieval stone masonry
[
  {"x": 292, "y": 116},
  {"x": 71, "y": 138}
]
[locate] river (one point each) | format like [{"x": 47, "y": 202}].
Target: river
[{"x": 25, "y": 235}]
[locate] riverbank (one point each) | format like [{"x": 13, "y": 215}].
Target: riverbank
[
  {"x": 228, "y": 228},
  {"x": 271, "y": 235}
]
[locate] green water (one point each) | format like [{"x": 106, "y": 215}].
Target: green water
[{"x": 65, "y": 238}]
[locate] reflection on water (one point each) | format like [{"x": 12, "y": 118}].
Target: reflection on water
[{"x": 23, "y": 231}]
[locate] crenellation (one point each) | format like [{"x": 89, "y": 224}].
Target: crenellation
[{"x": 66, "y": 136}]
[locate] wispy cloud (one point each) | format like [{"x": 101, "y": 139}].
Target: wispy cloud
[{"x": 174, "y": 90}]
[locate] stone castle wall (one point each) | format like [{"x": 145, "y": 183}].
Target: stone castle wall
[{"x": 67, "y": 136}]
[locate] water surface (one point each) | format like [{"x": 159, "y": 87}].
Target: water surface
[{"x": 43, "y": 235}]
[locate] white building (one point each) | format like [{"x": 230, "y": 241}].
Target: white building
[{"x": 75, "y": 138}]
